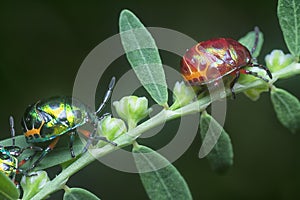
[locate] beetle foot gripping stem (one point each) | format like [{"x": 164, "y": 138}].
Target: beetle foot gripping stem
[
  {"x": 44, "y": 153},
  {"x": 264, "y": 68},
  {"x": 236, "y": 78},
  {"x": 245, "y": 71},
  {"x": 27, "y": 173},
  {"x": 95, "y": 139}
]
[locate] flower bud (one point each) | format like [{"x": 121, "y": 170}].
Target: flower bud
[
  {"x": 182, "y": 95},
  {"x": 277, "y": 60},
  {"x": 132, "y": 109},
  {"x": 31, "y": 185},
  {"x": 111, "y": 128}
]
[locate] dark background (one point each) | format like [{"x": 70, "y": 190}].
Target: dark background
[{"x": 42, "y": 45}]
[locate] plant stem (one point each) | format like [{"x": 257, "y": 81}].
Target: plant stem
[
  {"x": 124, "y": 140},
  {"x": 131, "y": 124},
  {"x": 58, "y": 182},
  {"x": 127, "y": 139}
]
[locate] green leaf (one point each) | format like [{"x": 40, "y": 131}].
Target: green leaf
[
  {"x": 31, "y": 185},
  {"x": 254, "y": 93},
  {"x": 8, "y": 189},
  {"x": 289, "y": 19},
  {"x": 249, "y": 41},
  {"x": 221, "y": 155},
  {"x": 58, "y": 155},
  {"x": 79, "y": 194},
  {"x": 159, "y": 183},
  {"x": 143, "y": 56},
  {"x": 287, "y": 108}
]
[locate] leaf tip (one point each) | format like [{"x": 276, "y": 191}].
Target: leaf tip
[{"x": 125, "y": 12}]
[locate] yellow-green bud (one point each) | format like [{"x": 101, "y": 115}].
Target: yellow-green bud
[
  {"x": 132, "y": 109},
  {"x": 111, "y": 128},
  {"x": 182, "y": 95}
]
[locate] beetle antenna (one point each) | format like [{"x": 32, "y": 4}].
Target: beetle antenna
[
  {"x": 12, "y": 130},
  {"x": 25, "y": 126},
  {"x": 256, "y": 31},
  {"x": 107, "y": 94}
]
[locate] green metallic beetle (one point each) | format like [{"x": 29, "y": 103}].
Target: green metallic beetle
[
  {"x": 9, "y": 163},
  {"x": 49, "y": 119}
]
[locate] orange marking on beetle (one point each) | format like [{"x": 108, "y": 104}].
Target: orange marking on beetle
[
  {"x": 34, "y": 130},
  {"x": 196, "y": 72}
]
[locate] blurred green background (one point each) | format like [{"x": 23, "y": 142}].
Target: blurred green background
[{"x": 42, "y": 45}]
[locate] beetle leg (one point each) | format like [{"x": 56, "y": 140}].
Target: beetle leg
[
  {"x": 36, "y": 149},
  {"x": 103, "y": 116},
  {"x": 256, "y": 31},
  {"x": 107, "y": 94},
  {"x": 24, "y": 173},
  {"x": 88, "y": 144},
  {"x": 264, "y": 68},
  {"x": 97, "y": 138},
  {"x": 31, "y": 148},
  {"x": 245, "y": 71},
  {"x": 92, "y": 138},
  {"x": 22, "y": 162},
  {"x": 44, "y": 153},
  {"x": 236, "y": 78},
  {"x": 72, "y": 134}
]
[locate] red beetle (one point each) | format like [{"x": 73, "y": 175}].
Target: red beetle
[{"x": 208, "y": 62}]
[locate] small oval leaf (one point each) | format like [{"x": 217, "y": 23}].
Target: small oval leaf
[
  {"x": 289, "y": 19},
  {"x": 221, "y": 155},
  {"x": 159, "y": 183},
  {"x": 287, "y": 108},
  {"x": 79, "y": 194},
  {"x": 8, "y": 189},
  {"x": 249, "y": 41},
  {"x": 143, "y": 56}
]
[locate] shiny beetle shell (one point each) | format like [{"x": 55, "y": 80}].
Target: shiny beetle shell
[
  {"x": 48, "y": 119},
  {"x": 211, "y": 60}
]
